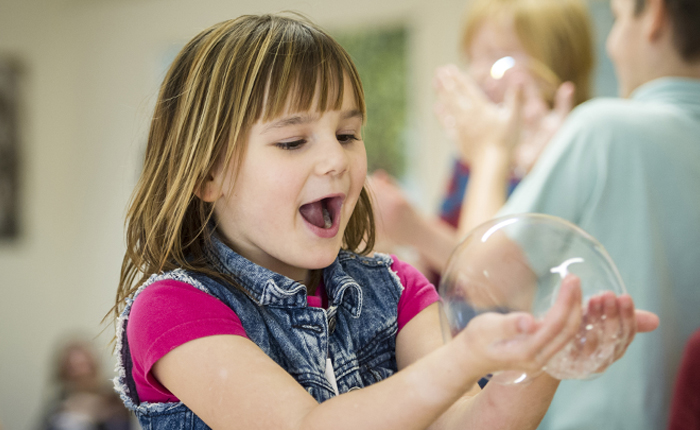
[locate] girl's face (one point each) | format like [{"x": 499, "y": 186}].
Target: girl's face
[
  {"x": 498, "y": 60},
  {"x": 296, "y": 188},
  {"x": 493, "y": 41}
]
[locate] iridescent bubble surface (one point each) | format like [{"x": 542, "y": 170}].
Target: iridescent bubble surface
[{"x": 517, "y": 263}]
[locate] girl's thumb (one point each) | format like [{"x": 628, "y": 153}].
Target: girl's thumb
[
  {"x": 564, "y": 98},
  {"x": 518, "y": 323},
  {"x": 525, "y": 324}
]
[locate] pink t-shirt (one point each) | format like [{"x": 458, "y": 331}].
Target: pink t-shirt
[{"x": 170, "y": 313}]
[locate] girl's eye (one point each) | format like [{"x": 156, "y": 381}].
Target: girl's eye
[
  {"x": 290, "y": 145},
  {"x": 346, "y": 138}
]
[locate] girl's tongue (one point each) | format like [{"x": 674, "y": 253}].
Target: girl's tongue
[{"x": 317, "y": 213}]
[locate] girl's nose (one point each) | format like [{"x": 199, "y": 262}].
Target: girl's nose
[{"x": 333, "y": 157}]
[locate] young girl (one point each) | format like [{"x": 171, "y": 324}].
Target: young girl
[{"x": 244, "y": 302}]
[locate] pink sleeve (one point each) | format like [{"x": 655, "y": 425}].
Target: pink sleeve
[
  {"x": 164, "y": 316},
  {"x": 418, "y": 292}
]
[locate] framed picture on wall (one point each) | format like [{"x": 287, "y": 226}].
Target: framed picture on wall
[
  {"x": 9, "y": 150},
  {"x": 381, "y": 56}
]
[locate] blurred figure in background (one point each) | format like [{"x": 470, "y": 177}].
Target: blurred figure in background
[
  {"x": 83, "y": 398},
  {"x": 536, "y": 54},
  {"x": 627, "y": 171}
]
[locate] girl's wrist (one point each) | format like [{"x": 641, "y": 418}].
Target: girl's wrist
[
  {"x": 469, "y": 364},
  {"x": 494, "y": 151},
  {"x": 492, "y": 158}
]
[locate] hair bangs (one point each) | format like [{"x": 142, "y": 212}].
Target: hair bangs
[{"x": 303, "y": 65}]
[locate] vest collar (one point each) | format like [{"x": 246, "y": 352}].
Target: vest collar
[{"x": 268, "y": 288}]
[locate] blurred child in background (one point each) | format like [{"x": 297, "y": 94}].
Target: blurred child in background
[
  {"x": 626, "y": 170},
  {"x": 537, "y": 54},
  {"x": 84, "y": 399}
]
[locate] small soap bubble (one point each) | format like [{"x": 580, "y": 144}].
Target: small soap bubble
[{"x": 517, "y": 263}]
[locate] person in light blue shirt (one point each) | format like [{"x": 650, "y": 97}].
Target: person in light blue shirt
[{"x": 628, "y": 172}]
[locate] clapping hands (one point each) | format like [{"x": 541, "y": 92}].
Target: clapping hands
[{"x": 522, "y": 125}]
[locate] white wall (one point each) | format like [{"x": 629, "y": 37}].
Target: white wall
[{"x": 92, "y": 71}]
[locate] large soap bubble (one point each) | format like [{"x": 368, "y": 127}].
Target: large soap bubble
[{"x": 517, "y": 263}]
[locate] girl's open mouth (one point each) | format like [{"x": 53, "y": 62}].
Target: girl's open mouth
[{"x": 323, "y": 214}]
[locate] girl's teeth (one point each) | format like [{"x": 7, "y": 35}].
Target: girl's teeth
[{"x": 327, "y": 219}]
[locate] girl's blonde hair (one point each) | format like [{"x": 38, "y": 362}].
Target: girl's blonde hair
[
  {"x": 556, "y": 33},
  {"x": 223, "y": 81}
]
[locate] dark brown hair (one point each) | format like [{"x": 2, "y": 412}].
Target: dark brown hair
[{"x": 685, "y": 19}]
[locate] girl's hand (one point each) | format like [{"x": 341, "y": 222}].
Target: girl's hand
[
  {"x": 517, "y": 341},
  {"x": 621, "y": 321},
  {"x": 522, "y": 125},
  {"x": 471, "y": 118},
  {"x": 608, "y": 327}
]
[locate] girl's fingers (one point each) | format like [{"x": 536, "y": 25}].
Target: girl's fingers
[
  {"x": 628, "y": 324},
  {"x": 470, "y": 89},
  {"x": 609, "y": 322},
  {"x": 593, "y": 324},
  {"x": 563, "y": 338},
  {"x": 450, "y": 101},
  {"x": 444, "y": 115},
  {"x": 519, "y": 323},
  {"x": 458, "y": 87},
  {"x": 605, "y": 334},
  {"x": 564, "y": 99},
  {"x": 612, "y": 325},
  {"x": 561, "y": 322},
  {"x": 646, "y": 321},
  {"x": 444, "y": 78},
  {"x": 608, "y": 319},
  {"x": 595, "y": 308}
]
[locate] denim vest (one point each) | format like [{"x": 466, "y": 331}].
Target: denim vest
[{"x": 357, "y": 332}]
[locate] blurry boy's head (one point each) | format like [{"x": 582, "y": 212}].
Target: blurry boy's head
[{"x": 653, "y": 38}]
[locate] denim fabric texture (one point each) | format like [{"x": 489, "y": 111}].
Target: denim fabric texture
[{"x": 357, "y": 332}]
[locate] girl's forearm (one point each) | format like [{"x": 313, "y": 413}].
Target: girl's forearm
[
  {"x": 411, "y": 399},
  {"x": 486, "y": 191},
  {"x": 432, "y": 396},
  {"x": 500, "y": 407}
]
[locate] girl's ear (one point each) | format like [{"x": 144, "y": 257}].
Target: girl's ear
[{"x": 210, "y": 189}]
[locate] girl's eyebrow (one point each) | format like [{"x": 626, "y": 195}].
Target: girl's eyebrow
[
  {"x": 307, "y": 118},
  {"x": 355, "y": 113},
  {"x": 290, "y": 120}
]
